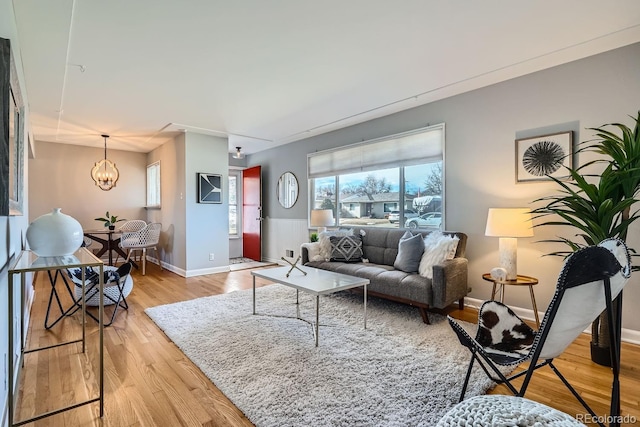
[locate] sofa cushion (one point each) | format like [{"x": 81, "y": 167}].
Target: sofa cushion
[
  {"x": 410, "y": 249},
  {"x": 438, "y": 247},
  {"x": 408, "y": 286},
  {"x": 346, "y": 248}
]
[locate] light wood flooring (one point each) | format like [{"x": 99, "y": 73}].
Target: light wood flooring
[{"x": 149, "y": 381}]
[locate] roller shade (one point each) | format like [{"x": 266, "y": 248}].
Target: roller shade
[{"x": 420, "y": 146}]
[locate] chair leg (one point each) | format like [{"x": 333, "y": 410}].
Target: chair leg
[
  {"x": 144, "y": 261},
  {"x": 466, "y": 379},
  {"x": 575, "y": 393}
]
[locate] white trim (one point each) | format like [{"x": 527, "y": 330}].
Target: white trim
[
  {"x": 203, "y": 271},
  {"x": 628, "y": 335}
]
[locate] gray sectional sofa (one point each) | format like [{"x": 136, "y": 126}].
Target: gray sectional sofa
[{"x": 380, "y": 247}]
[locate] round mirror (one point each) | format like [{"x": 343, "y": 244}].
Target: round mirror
[{"x": 287, "y": 190}]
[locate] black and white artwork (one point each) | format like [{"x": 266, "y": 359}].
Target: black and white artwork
[
  {"x": 209, "y": 188},
  {"x": 542, "y": 157}
]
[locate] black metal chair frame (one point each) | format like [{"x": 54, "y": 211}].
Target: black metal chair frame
[
  {"x": 602, "y": 265},
  {"x": 90, "y": 291}
]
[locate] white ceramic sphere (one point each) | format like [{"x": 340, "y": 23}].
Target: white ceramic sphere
[{"x": 54, "y": 234}]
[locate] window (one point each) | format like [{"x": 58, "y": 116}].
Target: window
[
  {"x": 153, "y": 185},
  {"x": 386, "y": 182},
  {"x": 233, "y": 205}
]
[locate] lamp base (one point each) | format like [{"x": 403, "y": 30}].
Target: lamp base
[
  {"x": 321, "y": 229},
  {"x": 508, "y": 250}
]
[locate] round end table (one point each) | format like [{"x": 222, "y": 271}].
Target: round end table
[{"x": 519, "y": 281}]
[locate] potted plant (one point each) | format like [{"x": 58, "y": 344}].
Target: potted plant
[
  {"x": 599, "y": 205},
  {"x": 110, "y": 220}
]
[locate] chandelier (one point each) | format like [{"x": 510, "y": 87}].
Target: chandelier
[{"x": 104, "y": 173}]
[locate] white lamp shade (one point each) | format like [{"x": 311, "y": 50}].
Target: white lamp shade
[
  {"x": 321, "y": 217},
  {"x": 509, "y": 222}
]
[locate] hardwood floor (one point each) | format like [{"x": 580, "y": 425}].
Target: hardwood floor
[{"x": 149, "y": 381}]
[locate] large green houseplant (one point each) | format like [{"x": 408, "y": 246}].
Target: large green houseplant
[{"x": 599, "y": 205}]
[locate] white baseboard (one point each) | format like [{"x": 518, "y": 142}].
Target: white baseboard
[{"x": 628, "y": 335}]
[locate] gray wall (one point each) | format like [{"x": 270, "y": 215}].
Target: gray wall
[
  {"x": 481, "y": 127},
  {"x": 207, "y": 230},
  {"x": 192, "y": 230},
  {"x": 60, "y": 178},
  {"x": 172, "y": 199}
]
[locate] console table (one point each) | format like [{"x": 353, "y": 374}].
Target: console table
[{"x": 26, "y": 262}]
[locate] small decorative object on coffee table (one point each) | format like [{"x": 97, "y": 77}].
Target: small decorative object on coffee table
[{"x": 293, "y": 265}]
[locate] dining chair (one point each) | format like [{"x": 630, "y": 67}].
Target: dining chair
[
  {"x": 141, "y": 240},
  {"x": 129, "y": 226}
]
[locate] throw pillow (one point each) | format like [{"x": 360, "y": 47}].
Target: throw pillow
[
  {"x": 410, "y": 251},
  {"x": 91, "y": 275},
  {"x": 438, "y": 248},
  {"x": 325, "y": 243},
  {"x": 346, "y": 249},
  {"x": 313, "y": 251}
]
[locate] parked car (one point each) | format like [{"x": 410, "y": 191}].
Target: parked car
[
  {"x": 394, "y": 216},
  {"x": 427, "y": 220}
]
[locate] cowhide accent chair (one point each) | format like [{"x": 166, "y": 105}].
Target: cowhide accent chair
[{"x": 590, "y": 279}]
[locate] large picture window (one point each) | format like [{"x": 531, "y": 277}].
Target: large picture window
[{"x": 397, "y": 181}]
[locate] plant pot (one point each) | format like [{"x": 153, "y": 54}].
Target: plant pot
[
  {"x": 112, "y": 227},
  {"x": 54, "y": 234},
  {"x": 601, "y": 355}
]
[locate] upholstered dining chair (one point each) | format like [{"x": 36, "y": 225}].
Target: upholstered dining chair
[
  {"x": 141, "y": 240},
  {"x": 129, "y": 226},
  {"x": 590, "y": 279}
]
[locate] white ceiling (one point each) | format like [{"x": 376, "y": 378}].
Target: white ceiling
[{"x": 267, "y": 73}]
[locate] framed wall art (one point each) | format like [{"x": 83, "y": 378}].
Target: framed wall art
[
  {"x": 209, "y": 188},
  {"x": 541, "y": 157},
  {"x": 12, "y": 137}
]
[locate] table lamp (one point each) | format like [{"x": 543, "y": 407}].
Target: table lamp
[
  {"x": 321, "y": 218},
  {"x": 508, "y": 224}
]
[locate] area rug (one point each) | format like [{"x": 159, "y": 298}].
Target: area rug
[{"x": 397, "y": 372}]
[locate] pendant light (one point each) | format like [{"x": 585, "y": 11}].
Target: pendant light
[{"x": 104, "y": 172}]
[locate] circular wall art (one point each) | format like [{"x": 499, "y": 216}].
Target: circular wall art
[{"x": 542, "y": 157}]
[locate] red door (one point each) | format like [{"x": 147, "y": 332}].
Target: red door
[{"x": 252, "y": 213}]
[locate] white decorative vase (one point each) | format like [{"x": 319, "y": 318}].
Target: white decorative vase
[{"x": 54, "y": 234}]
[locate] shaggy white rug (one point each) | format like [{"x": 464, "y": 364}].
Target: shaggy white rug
[{"x": 397, "y": 372}]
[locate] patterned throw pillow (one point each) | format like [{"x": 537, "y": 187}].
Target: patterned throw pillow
[
  {"x": 325, "y": 242},
  {"x": 346, "y": 248}
]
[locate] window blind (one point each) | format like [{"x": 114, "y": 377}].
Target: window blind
[{"x": 410, "y": 148}]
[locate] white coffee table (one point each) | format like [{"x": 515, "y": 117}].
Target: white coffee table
[{"x": 316, "y": 282}]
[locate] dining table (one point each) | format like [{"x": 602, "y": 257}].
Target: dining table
[{"x": 110, "y": 241}]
